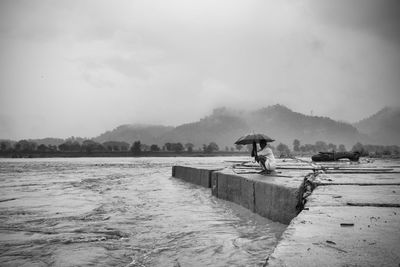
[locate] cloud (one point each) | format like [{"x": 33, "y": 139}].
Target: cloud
[
  {"x": 375, "y": 17},
  {"x": 98, "y": 64}
]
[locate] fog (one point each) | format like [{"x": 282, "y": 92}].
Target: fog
[{"x": 83, "y": 67}]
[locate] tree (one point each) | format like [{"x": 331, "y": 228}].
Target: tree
[
  {"x": 115, "y": 146},
  {"x": 213, "y": 147},
  {"x": 24, "y": 145},
  {"x": 42, "y": 148},
  {"x": 321, "y": 146},
  {"x": 296, "y": 145},
  {"x": 376, "y": 150},
  {"x": 239, "y": 147},
  {"x": 395, "y": 150},
  {"x": 52, "y": 148},
  {"x": 358, "y": 147},
  {"x": 210, "y": 148},
  {"x": 5, "y": 146},
  {"x": 168, "y": 146},
  {"x": 136, "y": 147},
  {"x": 90, "y": 146},
  {"x": 70, "y": 146},
  {"x": 307, "y": 148},
  {"x": 332, "y": 147},
  {"x": 144, "y": 147},
  {"x": 154, "y": 148},
  {"x": 189, "y": 147},
  {"x": 342, "y": 148},
  {"x": 283, "y": 149},
  {"x": 177, "y": 147}
]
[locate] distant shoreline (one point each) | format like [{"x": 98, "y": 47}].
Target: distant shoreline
[
  {"x": 144, "y": 154},
  {"x": 59, "y": 154}
]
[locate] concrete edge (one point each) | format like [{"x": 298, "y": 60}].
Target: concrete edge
[{"x": 269, "y": 199}]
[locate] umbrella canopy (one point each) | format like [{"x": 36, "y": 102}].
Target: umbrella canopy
[{"x": 250, "y": 138}]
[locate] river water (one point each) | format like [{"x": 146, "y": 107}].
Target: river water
[{"x": 122, "y": 212}]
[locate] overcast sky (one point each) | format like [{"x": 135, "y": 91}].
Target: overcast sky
[{"x": 82, "y": 67}]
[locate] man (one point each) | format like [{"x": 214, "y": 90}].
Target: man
[{"x": 265, "y": 157}]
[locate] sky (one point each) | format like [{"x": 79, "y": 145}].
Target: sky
[{"x": 79, "y": 68}]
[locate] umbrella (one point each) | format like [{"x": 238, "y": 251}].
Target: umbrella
[{"x": 251, "y": 138}]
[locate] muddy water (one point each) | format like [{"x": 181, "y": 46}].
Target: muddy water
[{"x": 122, "y": 212}]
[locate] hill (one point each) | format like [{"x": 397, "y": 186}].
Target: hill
[
  {"x": 286, "y": 125},
  {"x": 383, "y": 127},
  {"x": 225, "y": 126},
  {"x": 48, "y": 141},
  {"x": 146, "y": 134},
  {"x": 222, "y": 126}
]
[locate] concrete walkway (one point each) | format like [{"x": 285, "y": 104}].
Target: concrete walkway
[{"x": 351, "y": 218}]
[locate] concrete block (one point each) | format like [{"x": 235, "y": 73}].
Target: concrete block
[
  {"x": 222, "y": 186},
  {"x": 359, "y": 179},
  {"x": 233, "y": 189},
  {"x": 341, "y": 236},
  {"x": 247, "y": 193},
  {"x": 214, "y": 183},
  {"x": 196, "y": 175},
  {"x": 267, "y": 197},
  {"x": 276, "y": 202},
  {"x": 356, "y": 195},
  {"x": 205, "y": 178}
]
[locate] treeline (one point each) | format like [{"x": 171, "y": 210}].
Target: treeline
[
  {"x": 90, "y": 146},
  {"x": 377, "y": 150},
  {"x": 320, "y": 146},
  {"x": 297, "y": 148},
  {"x": 281, "y": 150}
]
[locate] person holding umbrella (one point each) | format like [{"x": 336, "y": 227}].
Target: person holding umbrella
[{"x": 265, "y": 157}]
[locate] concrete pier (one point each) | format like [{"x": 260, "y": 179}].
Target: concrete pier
[
  {"x": 200, "y": 175},
  {"x": 275, "y": 197},
  {"x": 351, "y": 218}
]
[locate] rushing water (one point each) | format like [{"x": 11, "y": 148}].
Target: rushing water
[{"x": 122, "y": 212}]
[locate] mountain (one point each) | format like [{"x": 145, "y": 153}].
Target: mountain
[
  {"x": 146, "y": 134},
  {"x": 224, "y": 126},
  {"x": 48, "y": 141},
  {"x": 285, "y": 125},
  {"x": 383, "y": 127}
]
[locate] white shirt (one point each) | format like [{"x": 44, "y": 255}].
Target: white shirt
[{"x": 270, "y": 158}]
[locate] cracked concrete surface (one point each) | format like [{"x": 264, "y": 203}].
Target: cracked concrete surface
[{"x": 350, "y": 219}]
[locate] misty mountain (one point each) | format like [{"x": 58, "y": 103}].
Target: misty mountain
[
  {"x": 48, "y": 141},
  {"x": 222, "y": 126},
  {"x": 225, "y": 126},
  {"x": 146, "y": 134},
  {"x": 383, "y": 127},
  {"x": 285, "y": 125}
]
